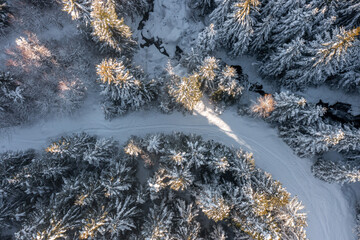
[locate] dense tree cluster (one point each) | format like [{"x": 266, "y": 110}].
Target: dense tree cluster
[
  {"x": 84, "y": 187},
  {"x": 105, "y": 20},
  {"x": 208, "y": 76},
  {"x": 300, "y": 43},
  {"x": 124, "y": 88},
  {"x": 304, "y": 127},
  {"x": 39, "y": 81}
]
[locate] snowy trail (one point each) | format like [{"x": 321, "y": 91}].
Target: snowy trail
[{"x": 329, "y": 214}]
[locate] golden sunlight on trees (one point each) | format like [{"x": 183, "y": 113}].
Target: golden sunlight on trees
[
  {"x": 337, "y": 49},
  {"x": 76, "y": 8},
  {"x": 90, "y": 229},
  {"x": 244, "y": 8},
  {"x": 56, "y": 231},
  {"x": 264, "y": 106},
  {"x": 57, "y": 147},
  {"x": 107, "y": 27},
  {"x": 187, "y": 91},
  {"x": 29, "y": 52},
  {"x": 335, "y": 138},
  {"x": 111, "y": 71},
  {"x": 214, "y": 207}
]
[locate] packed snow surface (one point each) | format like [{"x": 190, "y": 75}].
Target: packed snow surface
[{"x": 330, "y": 215}]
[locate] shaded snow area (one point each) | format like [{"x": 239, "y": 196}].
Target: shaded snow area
[
  {"x": 169, "y": 22},
  {"x": 330, "y": 215}
]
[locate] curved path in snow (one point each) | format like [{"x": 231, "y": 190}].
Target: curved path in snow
[{"x": 330, "y": 216}]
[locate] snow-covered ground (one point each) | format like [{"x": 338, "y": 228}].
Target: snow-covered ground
[{"x": 330, "y": 215}]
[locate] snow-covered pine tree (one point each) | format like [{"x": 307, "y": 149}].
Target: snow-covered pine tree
[
  {"x": 333, "y": 55},
  {"x": 307, "y": 141},
  {"x": 346, "y": 140},
  {"x": 218, "y": 233},
  {"x": 220, "y": 13},
  {"x": 264, "y": 106},
  {"x": 282, "y": 59},
  {"x": 109, "y": 30},
  {"x": 4, "y": 15},
  {"x": 263, "y": 31},
  {"x": 192, "y": 59},
  {"x": 237, "y": 30},
  {"x": 349, "y": 14},
  {"x": 339, "y": 172},
  {"x": 78, "y": 9},
  {"x": 10, "y": 91},
  {"x": 178, "y": 178},
  {"x": 293, "y": 221},
  {"x": 186, "y": 90},
  {"x": 296, "y": 24},
  {"x": 291, "y": 110},
  {"x": 207, "y": 41},
  {"x": 230, "y": 86},
  {"x": 123, "y": 89},
  {"x": 158, "y": 223},
  {"x": 208, "y": 72},
  {"x": 187, "y": 226},
  {"x": 212, "y": 203},
  {"x": 324, "y": 58}
]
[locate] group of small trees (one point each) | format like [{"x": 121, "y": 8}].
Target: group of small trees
[
  {"x": 104, "y": 19},
  {"x": 209, "y": 76},
  {"x": 85, "y": 187},
  {"x": 304, "y": 128},
  {"x": 300, "y": 43},
  {"x": 39, "y": 76},
  {"x": 124, "y": 86}
]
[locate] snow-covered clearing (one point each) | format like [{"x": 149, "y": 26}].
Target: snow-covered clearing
[{"x": 330, "y": 215}]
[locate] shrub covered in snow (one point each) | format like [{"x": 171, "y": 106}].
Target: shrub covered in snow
[{"x": 82, "y": 187}]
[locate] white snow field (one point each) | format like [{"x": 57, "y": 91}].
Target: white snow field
[{"x": 330, "y": 216}]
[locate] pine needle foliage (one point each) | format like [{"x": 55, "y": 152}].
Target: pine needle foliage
[
  {"x": 337, "y": 49},
  {"x": 108, "y": 29},
  {"x": 86, "y": 187},
  {"x": 187, "y": 91}
]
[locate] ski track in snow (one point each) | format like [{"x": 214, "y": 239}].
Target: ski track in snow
[{"x": 330, "y": 216}]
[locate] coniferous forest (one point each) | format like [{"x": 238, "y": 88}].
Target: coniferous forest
[{"x": 180, "y": 119}]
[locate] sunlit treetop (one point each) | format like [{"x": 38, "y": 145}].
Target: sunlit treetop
[
  {"x": 107, "y": 27},
  {"x": 111, "y": 71},
  {"x": 244, "y": 7},
  {"x": 264, "y": 106}
]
